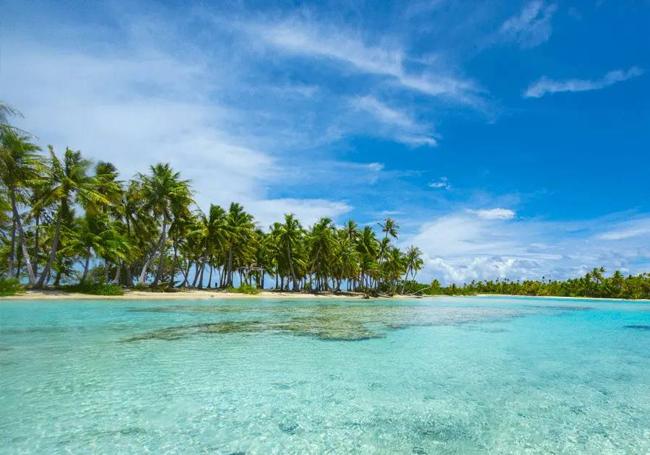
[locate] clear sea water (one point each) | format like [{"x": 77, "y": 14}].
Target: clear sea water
[{"x": 443, "y": 375}]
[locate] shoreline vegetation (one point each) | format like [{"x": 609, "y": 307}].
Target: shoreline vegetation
[
  {"x": 67, "y": 225},
  {"x": 220, "y": 294}
]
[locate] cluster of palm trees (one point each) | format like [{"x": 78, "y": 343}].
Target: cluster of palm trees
[
  {"x": 593, "y": 284},
  {"x": 63, "y": 220}
]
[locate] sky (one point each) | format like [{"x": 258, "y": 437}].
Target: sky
[{"x": 508, "y": 139}]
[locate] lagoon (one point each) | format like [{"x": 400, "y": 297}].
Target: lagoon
[{"x": 257, "y": 376}]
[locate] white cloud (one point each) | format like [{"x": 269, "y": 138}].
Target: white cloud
[
  {"x": 532, "y": 26},
  {"x": 545, "y": 85},
  {"x": 383, "y": 112},
  {"x": 460, "y": 247},
  {"x": 494, "y": 214},
  {"x": 399, "y": 125},
  {"x": 138, "y": 107},
  {"x": 417, "y": 140},
  {"x": 441, "y": 184},
  {"x": 100, "y": 109},
  {"x": 308, "y": 211},
  {"x": 627, "y": 230},
  {"x": 325, "y": 42}
]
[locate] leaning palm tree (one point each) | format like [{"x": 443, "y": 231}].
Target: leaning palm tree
[
  {"x": 413, "y": 262},
  {"x": 20, "y": 168},
  {"x": 6, "y": 111},
  {"x": 68, "y": 183},
  {"x": 389, "y": 227},
  {"x": 165, "y": 196}
]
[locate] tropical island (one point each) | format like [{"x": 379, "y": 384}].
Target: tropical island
[
  {"x": 69, "y": 225},
  {"x": 324, "y": 227}
]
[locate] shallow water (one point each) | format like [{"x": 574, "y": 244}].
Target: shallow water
[{"x": 444, "y": 375}]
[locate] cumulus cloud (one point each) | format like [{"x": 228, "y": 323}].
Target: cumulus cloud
[
  {"x": 138, "y": 106},
  {"x": 308, "y": 211},
  {"x": 532, "y": 26},
  {"x": 461, "y": 246},
  {"x": 545, "y": 85}
]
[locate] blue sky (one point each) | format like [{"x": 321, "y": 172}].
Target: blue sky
[{"x": 507, "y": 138}]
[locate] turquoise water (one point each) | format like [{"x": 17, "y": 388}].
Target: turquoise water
[{"x": 444, "y": 375}]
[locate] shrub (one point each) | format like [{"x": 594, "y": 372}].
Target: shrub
[
  {"x": 95, "y": 289},
  {"x": 162, "y": 287},
  {"x": 244, "y": 289},
  {"x": 10, "y": 286}
]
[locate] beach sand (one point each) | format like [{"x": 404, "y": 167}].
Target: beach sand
[{"x": 190, "y": 294}]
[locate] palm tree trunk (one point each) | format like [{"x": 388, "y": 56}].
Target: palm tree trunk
[
  {"x": 161, "y": 248},
  {"x": 118, "y": 268},
  {"x": 19, "y": 262},
  {"x": 129, "y": 275},
  {"x": 12, "y": 251},
  {"x": 201, "y": 276},
  {"x": 57, "y": 279},
  {"x": 293, "y": 273},
  {"x": 173, "y": 271},
  {"x": 86, "y": 264},
  {"x": 219, "y": 275},
  {"x": 186, "y": 274},
  {"x": 143, "y": 272},
  {"x": 229, "y": 283},
  {"x": 197, "y": 273},
  {"x": 55, "y": 246},
  {"x": 37, "y": 232},
  {"x": 23, "y": 243}
]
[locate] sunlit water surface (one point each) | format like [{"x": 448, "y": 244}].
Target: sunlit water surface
[{"x": 443, "y": 375}]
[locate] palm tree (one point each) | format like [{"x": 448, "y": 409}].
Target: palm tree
[
  {"x": 321, "y": 244},
  {"x": 347, "y": 260},
  {"x": 368, "y": 248},
  {"x": 290, "y": 234},
  {"x": 389, "y": 227},
  {"x": 20, "y": 167},
  {"x": 413, "y": 261},
  {"x": 69, "y": 183},
  {"x": 238, "y": 233},
  {"x": 217, "y": 232},
  {"x": 351, "y": 230},
  {"x": 166, "y": 196},
  {"x": 393, "y": 267},
  {"x": 6, "y": 111}
]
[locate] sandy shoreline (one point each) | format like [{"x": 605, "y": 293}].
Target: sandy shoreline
[
  {"x": 204, "y": 294},
  {"x": 213, "y": 294}
]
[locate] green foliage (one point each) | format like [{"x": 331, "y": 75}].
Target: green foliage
[
  {"x": 10, "y": 286},
  {"x": 244, "y": 289},
  {"x": 592, "y": 284},
  {"x": 64, "y": 220},
  {"x": 162, "y": 287},
  {"x": 94, "y": 289}
]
